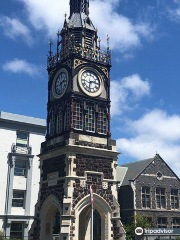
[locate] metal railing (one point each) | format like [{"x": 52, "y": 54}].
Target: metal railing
[
  {"x": 83, "y": 52},
  {"x": 21, "y": 150}
]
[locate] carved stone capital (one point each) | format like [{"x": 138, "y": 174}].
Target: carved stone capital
[
  {"x": 82, "y": 183},
  {"x": 105, "y": 185}
]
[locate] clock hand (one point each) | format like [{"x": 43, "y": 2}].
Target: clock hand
[{"x": 91, "y": 82}]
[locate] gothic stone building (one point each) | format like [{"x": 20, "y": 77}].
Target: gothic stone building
[
  {"x": 78, "y": 151},
  {"x": 152, "y": 190}
]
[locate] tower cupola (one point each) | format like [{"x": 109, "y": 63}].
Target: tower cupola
[{"x": 79, "y": 6}]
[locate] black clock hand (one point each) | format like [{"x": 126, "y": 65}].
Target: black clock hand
[{"x": 91, "y": 82}]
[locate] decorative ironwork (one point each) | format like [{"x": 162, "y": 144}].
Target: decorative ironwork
[
  {"x": 50, "y": 47},
  {"x": 21, "y": 150},
  {"x": 81, "y": 52}
]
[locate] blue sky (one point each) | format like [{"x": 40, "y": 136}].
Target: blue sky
[{"x": 145, "y": 78}]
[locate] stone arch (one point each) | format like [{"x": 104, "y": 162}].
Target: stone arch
[
  {"x": 83, "y": 213},
  {"x": 49, "y": 193},
  {"x": 48, "y": 210}
]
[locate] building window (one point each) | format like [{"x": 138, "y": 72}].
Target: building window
[
  {"x": 146, "y": 199},
  {"x": 20, "y": 168},
  {"x": 159, "y": 176},
  {"x": 59, "y": 122},
  {"x": 90, "y": 118},
  {"x": 52, "y": 123},
  {"x": 67, "y": 117},
  {"x": 22, "y": 139},
  {"x": 162, "y": 223},
  {"x": 18, "y": 198},
  {"x": 102, "y": 121},
  {"x": 174, "y": 199},
  {"x": 176, "y": 223},
  {"x": 17, "y": 231},
  {"x": 78, "y": 115},
  {"x": 160, "y": 198}
]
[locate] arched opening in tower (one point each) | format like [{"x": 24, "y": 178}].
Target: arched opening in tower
[{"x": 85, "y": 224}]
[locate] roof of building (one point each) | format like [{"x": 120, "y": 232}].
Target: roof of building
[
  {"x": 134, "y": 169},
  {"x": 78, "y": 20},
  {"x": 120, "y": 173},
  {"x": 11, "y": 117}
]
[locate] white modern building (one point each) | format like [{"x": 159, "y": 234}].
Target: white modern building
[{"x": 20, "y": 140}]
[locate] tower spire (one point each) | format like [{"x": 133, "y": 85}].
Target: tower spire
[{"x": 79, "y": 6}]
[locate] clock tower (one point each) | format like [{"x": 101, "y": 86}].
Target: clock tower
[{"x": 78, "y": 151}]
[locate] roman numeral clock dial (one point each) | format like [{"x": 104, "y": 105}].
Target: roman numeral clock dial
[
  {"x": 60, "y": 83},
  {"x": 90, "y": 83}
]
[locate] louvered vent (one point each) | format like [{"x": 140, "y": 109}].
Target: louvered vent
[
  {"x": 88, "y": 39},
  {"x": 78, "y": 38}
]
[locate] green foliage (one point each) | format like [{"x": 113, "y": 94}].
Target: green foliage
[
  {"x": 3, "y": 238},
  {"x": 141, "y": 221}
]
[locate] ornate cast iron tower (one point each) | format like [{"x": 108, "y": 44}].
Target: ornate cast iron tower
[{"x": 78, "y": 150}]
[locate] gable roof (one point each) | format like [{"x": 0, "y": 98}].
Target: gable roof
[
  {"x": 78, "y": 20},
  {"x": 134, "y": 169},
  {"x": 121, "y": 173}
]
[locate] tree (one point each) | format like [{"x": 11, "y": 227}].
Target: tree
[{"x": 138, "y": 221}]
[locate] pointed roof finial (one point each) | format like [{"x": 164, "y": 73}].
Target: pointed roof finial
[
  {"x": 50, "y": 45},
  {"x": 58, "y": 42},
  {"x": 108, "y": 40},
  {"x": 65, "y": 20},
  {"x": 99, "y": 41}
]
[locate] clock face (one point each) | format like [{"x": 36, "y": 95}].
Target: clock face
[
  {"x": 90, "y": 81},
  {"x": 61, "y": 83}
]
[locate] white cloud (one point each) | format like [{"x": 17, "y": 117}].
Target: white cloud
[
  {"x": 21, "y": 66},
  {"x": 175, "y": 14},
  {"x": 46, "y": 14},
  {"x": 13, "y": 28},
  {"x": 127, "y": 90},
  {"x": 124, "y": 34},
  {"x": 155, "y": 132}
]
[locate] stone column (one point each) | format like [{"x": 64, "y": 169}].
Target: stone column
[
  {"x": 8, "y": 226},
  {"x": 26, "y": 229},
  {"x": 10, "y": 190},
  {"x": 28, "y": 186}
]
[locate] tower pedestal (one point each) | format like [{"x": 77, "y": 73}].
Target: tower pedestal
[{"x": 66, "y": 176}]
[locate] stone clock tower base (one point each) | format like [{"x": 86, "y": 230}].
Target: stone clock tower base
[{"x": 66, "y": 175}]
